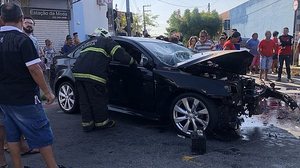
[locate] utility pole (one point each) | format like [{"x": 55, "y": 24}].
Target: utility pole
[
  {"x": 208, "y": 7},
  {"x": 144, "y": 16},
  {"x": 128, "y": 18},
  {"x": 110, "y": 18}
]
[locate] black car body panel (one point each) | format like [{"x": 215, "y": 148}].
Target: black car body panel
[
  {"x": 150, "y": 87},
  {"x": 230, "y": 61},
  {"x": 181, "y": 80}
]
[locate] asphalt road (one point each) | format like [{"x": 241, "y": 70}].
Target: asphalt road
[
  {"x": 267, "y": 142},
  {"x": 140, "y": 143}
]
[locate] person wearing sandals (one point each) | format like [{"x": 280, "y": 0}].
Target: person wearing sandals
[
  {"x": 266, "y": 48},
  {"x": 21, "y": 76}
]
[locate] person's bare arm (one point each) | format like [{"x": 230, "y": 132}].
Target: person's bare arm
[
  {"x": 226, "y": 48},
  {"x": 38, "y": 76}
]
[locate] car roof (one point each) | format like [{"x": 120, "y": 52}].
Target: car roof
[{"x": 139, "y": 39}]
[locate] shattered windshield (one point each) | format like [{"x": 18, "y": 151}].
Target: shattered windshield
[{"x": 169, "y": 53}]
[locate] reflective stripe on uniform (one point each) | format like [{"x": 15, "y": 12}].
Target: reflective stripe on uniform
[
  {"x": 86, "y": 124},
  {"x": 95, "y": 49},
  {"x": 89, "y": 76},
  {"x": 131, "y": 61},
  {"x": 102, "y": 123},
  {"x": 113, "y": 51}
]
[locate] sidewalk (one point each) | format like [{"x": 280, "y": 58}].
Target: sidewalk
[{"x": 283, "y": 86}]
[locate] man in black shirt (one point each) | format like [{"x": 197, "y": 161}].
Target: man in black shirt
[
  {"x": 20, "y": 79},
  {"x": 2, "y": 132}
]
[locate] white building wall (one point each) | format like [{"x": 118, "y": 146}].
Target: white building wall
[
  {"x": 261, "y": 15},
  {"x": 94, "y": 16}
]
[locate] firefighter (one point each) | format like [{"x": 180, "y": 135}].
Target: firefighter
[{"x": 90, "y": 72}]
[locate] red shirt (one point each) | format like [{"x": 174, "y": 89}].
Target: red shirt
[
  {"x": 267, "y": 47},
  {"x": 229, "y": 45},
  {"x": 285, "y": 47},
  {"x": 275, "y": 39}
]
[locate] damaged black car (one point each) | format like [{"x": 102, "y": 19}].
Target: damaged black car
[{"x": 206, "y": 91}]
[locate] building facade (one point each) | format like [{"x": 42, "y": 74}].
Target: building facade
[
  {"x": 261, "y": 15},
  {"x": 87, "y": 15},
  {"x": 55, "y": 19},
  {"x": 52, "y": 19},
  {"x": 258, "y": 16}
]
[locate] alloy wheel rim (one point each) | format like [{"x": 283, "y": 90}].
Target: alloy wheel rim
[
  {"x": 66, "y": 97},
  {"x": 190, "y": 114}
]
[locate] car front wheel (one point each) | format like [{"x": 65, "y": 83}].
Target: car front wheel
[
  {"x": 67, "y": 98},
  {"x": 191, "y": 112}
]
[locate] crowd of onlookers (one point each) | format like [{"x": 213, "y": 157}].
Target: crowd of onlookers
[
  {"x": 47, "y": 52},
  {"x": 269, "y": 54}
]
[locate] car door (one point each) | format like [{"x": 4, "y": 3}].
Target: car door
[{"x": 132, "y": 87}]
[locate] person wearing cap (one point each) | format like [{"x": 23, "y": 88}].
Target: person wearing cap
[
  {"x": 76, "y": 40},
  {"x": 90, "y": 72},
  {"x": 21, "y": 76},
  {"x": 69, "y": 46}
]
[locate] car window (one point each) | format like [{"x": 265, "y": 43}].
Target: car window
[
  {"x": 77, "y": 52},
  {"x": 131, "y": 50},
  {"x": 78, "y": 49},
  {"x": 168, "y": 53}
]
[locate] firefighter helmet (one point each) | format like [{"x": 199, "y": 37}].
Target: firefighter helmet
[{"x": 100, "y": 32}]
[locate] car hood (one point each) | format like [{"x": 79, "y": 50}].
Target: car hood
[{"x": 231, "y": 61}]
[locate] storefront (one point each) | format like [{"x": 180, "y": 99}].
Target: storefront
[{"x": 52, "y": 19}]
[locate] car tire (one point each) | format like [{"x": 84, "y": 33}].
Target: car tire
[
  {"x": 186, "y": 117},
  {"x": 67, "y": 98}
]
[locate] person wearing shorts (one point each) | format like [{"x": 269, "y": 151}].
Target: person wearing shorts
[
  {"x": 252, "y": 45},
  {"x": 21, "y": 76},
  {"x": 266, "y": 49}
]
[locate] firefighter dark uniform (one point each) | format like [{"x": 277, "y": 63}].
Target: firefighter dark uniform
[{"x": 90, "y": 72}]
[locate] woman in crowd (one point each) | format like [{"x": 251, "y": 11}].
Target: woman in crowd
[
  {"x": 192, "y": 41},
  {"x": 49, "y": 52}
]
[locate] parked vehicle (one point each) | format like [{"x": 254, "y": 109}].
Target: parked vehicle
[{"x": 195, "y": 91}]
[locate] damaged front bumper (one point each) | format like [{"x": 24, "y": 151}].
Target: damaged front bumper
[
  {"x": 253, "y": 99},
  {"x": 271, "y": 92}
]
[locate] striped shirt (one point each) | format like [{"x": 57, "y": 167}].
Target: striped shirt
[{"x": 203, "y": 47}]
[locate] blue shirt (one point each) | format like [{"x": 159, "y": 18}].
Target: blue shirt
[
  {"x": 252, "y": 45},
  {"x": 67, "y": 48},
  {"x": 238, "y": 45}
]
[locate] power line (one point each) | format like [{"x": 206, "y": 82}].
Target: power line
[{"x": 183, "y": 6}]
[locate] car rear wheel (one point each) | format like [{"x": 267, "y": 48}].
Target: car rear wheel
[
  {"x": 67, "y": 99},
  {"x": 191, "y": 112}
]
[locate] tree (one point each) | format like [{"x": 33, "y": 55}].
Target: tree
[
  {"x": 137, "y": 25},
  {"x": 192, "y": 22}
]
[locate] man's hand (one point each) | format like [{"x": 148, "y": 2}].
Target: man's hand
[{"x": 50, "y": 98}]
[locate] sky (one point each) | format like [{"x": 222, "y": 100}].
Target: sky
[{"x": 164, "y": 8}]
